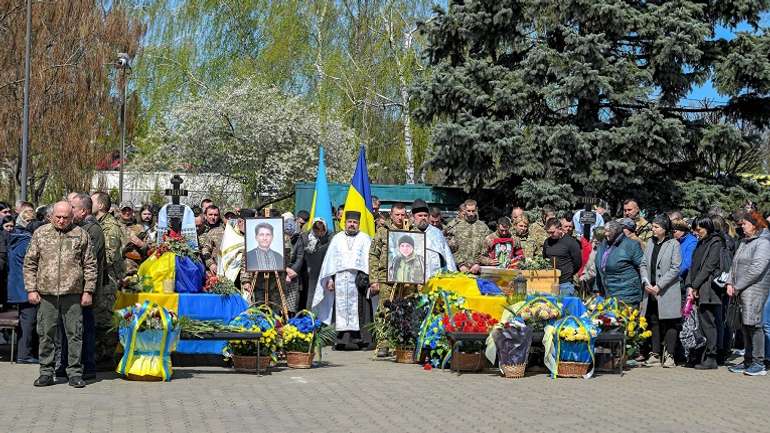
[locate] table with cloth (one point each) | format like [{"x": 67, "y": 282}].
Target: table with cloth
[
  {"x": 198, "y": 306},
  {"x": 471, "y": 288}
]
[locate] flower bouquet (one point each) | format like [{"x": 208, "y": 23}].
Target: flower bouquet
[
  {"x": 512, "y": 341},
  {"x": 148, "y": 333},
  {"x": 569, "y": 346},
  {"x": 469, "y": 357},
  {"x": 254, "y": 355},
  {"x": 397, "y": 323},
  {"x": 636, "y": 330},
  {"x": 537, "y": 312},
  {"x": 302, "y": 335},
  {"x": 432, "y": 341},
  {"x": 220, "y": 286}
]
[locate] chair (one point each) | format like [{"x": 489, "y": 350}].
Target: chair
[{"x": 10, "y": 320}]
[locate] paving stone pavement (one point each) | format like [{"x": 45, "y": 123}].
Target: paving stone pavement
[{"x": 354, "y": 393}]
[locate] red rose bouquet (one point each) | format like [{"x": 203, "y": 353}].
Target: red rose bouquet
[{"x": 469, "y": 322}]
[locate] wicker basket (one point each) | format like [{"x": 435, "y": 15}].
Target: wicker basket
[
  {"x": 248, "y": 364},
  {"x": 135, "y": 377},
  {"x": 573, "y": 369},
  {"x": 299, "y": 359},
  {"x": 515, "y": 371},
  {"x": 462, "y": 361},
  {"x": 405, "y": 356}
]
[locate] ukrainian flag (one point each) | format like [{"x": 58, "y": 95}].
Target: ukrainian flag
[
  {"x": 360, "y": 196},
  {"x": 322, "y": 204}
]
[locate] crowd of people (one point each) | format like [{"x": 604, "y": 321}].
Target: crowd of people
[{"x": 61, "y": 266}]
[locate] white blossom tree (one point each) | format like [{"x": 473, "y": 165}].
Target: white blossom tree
[{"x": 253, "y": 134}]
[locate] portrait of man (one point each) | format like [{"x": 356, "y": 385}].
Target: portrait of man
[
  {"x": 406, "y": 257},
  {"x": 264, "y": 245}
]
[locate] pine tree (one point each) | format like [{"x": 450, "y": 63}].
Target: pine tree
[{"x": 541, "y": 98}]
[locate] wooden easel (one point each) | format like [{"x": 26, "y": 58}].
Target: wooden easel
[
  {"x": 400, "y": 288},
  {"x": 266, "y": 281}
]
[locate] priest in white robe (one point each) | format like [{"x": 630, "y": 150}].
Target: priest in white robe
[
  {"x": 342, "y": 292},
  {"x": 438, "y": 256}
]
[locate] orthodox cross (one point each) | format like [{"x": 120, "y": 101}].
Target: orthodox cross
[{"x": 175, "y": 211}]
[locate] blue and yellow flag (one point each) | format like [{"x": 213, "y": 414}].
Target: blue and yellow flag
[
  {"x": 360, "y": 196},
  {"x": 322, "y": 204}
]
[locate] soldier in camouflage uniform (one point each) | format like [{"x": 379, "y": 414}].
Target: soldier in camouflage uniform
[
  {"x": 469, "y": 235},
  {"x": 114, "y": 272},
  {"x": 378, "y": 261},
  {"x": 134, "y": 248},
  {"x": 527, "y": 242},
  {"x": 537, "y": 232},
  {"x": 210, "y": 246},
  {"x": 93, "y": 315},
  {"x": 643, "y": 229},
  {"x": 448, "y": 229},
  {"x": 60, "y": 274}
]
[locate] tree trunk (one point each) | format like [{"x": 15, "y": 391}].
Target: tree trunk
[{"x": 406, "y": 115}]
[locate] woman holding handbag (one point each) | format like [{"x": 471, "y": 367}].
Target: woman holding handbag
[
  {"x": 701, "y": 287},
  {"x": 749, "y": 280},
  {"x": 662, "y": 298}
]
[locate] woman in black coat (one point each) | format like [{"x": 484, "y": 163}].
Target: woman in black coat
[
  {"x": 701, "y": 288},
  {"x": 316, "y": 242}
]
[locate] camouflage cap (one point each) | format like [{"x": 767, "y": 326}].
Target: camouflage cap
[{"x": 126, "y": 204}]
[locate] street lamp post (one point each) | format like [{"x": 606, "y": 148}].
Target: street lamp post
[
  {"x": 25, "y": 115},
  {"x": 122, "y": 63}
]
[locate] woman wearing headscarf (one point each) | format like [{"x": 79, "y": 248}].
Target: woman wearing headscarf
[
  {"x": 315, "y": 242},
  {"x": 749, "y": 280},
  {"x": 701, "y": 288},
  {"x": 617, "y": 266},
  {"x": 662, "y": 300}
]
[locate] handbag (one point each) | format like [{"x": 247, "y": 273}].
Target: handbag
[{"x": 734, "y": 316}]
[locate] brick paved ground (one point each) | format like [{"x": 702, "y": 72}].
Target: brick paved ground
[{"x": 356, "y": 394}]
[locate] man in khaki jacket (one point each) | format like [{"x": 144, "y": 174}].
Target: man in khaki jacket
[{"x": 60, "y": 274}]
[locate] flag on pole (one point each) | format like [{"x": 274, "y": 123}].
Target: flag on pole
[
  {"x": 360, "y": 196},
  {"x": 322, "y": 204}
]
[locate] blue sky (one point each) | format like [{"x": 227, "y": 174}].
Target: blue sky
[{"x": 707, "y": 91}]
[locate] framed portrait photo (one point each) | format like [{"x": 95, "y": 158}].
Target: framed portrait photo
[
  {"x": 406, "y": 257},
  {"x": 264, "y": 245}
]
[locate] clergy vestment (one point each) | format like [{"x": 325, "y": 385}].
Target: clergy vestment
[
  {"x": 439, "y": 257},
  {"x": 346, "y": 257}
]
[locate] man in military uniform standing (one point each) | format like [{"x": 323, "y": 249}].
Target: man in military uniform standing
[
  {"x": 97, "y": 318},
  {"x": 378, "y": 261},
  {"x": 643, "y": 227},
  {"x": 211, "y": 241},
  {"x": 133, "y": 247},
  {"x": 449, "y": 228},
  {"x": 60, "y": 274},
  {"x": 537, "y": 233},
  {"x": 469, "y": 234},
  {"x": 112, "y": 279}
]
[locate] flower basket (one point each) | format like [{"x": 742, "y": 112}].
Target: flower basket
[
  {"x": 573, "y": 369},
  {"x": 462, "y": 361},
  {"x": 513, "y": 341},
  {"x": 302, "y": 336},
  {"x": 149, "y": 334},
  {"x": 299, "y": 359},
  {"x": 251, "y": 364},
  {"x": 515, "y": 371},
  {"x": 404, "y": 356}
]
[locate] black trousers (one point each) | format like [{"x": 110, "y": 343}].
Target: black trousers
[
  {"x": 28, "y": 342},
  {"x": 708, "y": 321},
  {"x": 664, "y": 331}
]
